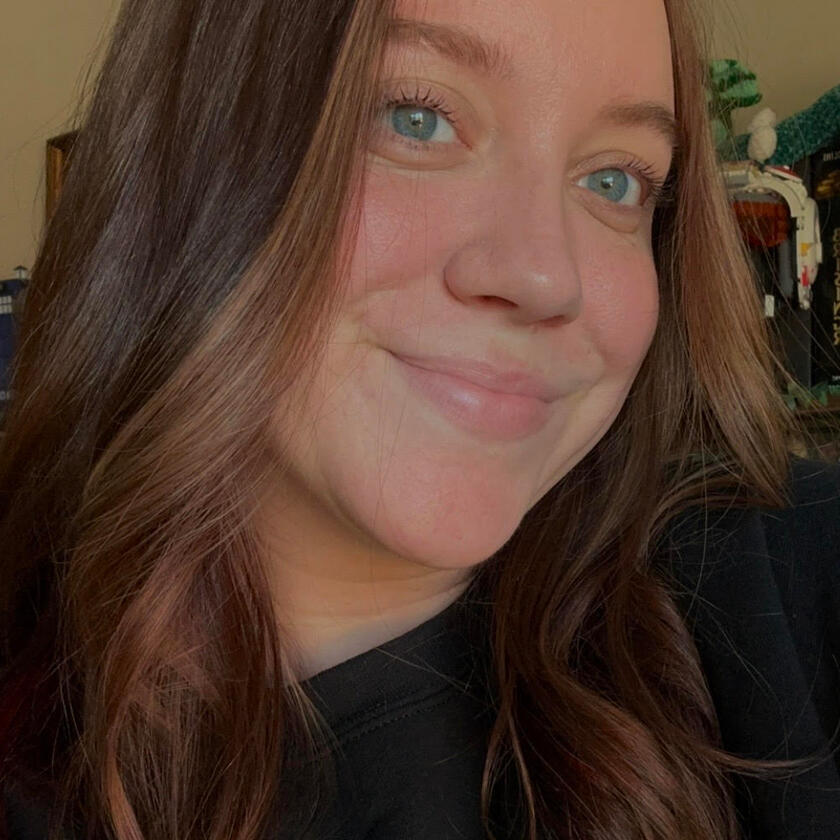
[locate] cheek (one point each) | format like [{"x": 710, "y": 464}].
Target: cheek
[
  {"x": 620, "y": 300},
  {"x": 408, "y": 229}
]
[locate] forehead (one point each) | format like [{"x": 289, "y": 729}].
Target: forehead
[{"x": 581, "y": 50}]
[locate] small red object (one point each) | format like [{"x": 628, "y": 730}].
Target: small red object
[{"x": 763, "y": 223}]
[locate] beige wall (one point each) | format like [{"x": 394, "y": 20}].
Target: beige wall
[
  {"x": 793, "y": 46},
  {"x": 45, "y": 45}
]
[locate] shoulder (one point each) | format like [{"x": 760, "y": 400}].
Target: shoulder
[
  {"x": 803, "y": 536},
  {"x": 759, "y": 590},
  {"x": 816, "y": 481},
  {"x": 811, "y": 521},
  {"x": 740, "y": 561}
]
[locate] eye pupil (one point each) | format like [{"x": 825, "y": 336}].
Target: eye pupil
[{"x": 413, "y": 122}]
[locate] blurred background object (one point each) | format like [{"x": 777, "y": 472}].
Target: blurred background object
[{"x": 11, "y": 300}]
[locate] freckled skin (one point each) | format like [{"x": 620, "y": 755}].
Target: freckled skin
[{"x": 488, "y": 247}]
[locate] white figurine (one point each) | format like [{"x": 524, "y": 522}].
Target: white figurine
[{"x": 763, "y": 138}]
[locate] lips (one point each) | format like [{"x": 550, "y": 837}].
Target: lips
[
  {"x": 511, "y": 380},
  {"x": 489, "y": 403}
]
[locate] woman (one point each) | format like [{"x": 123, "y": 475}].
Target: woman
[{"x": 384, "y": 368}]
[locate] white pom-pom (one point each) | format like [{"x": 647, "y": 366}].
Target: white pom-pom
[
  {"x": 765, "y": 118},
  {"x": 763, "y": 138},
  {"x": 762, "y": 144}
]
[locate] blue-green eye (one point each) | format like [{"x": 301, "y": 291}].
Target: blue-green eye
[
  {"x": 413, "y": 122},
  {"x": 421, "y": 124},
  {"x": 421, "y": 116},
  {"x": 615, "y": 185}
]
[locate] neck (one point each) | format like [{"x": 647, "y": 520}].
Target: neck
[{"x": 338, "y": 594}]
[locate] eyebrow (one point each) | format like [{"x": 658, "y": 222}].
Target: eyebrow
[
  {"x": 464, "y": 47},
  {"x": 651, "y": 115},
  {"x": 455, "y": 43}
]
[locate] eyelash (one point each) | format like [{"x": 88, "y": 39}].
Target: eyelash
[
  {"x": 430, "y": 100},
  {"x": 659, "y": 190}
]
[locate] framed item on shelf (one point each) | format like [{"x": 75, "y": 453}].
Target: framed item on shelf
[{"x": 58, "y": 154}]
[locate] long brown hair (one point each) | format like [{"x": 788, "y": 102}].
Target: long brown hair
[{"x": 179, "y": 291}]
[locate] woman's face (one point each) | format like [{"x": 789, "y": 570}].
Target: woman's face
[{"x": 501, "y": 293}]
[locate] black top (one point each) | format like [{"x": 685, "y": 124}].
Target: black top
[
  {"x": 411, "y": 720},
  {"x": 760, "y": 591}
]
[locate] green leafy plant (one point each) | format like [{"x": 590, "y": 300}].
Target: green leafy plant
[{"x": 731, "y": 86}]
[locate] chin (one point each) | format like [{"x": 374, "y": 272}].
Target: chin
[{"x": 455, "y": 525}]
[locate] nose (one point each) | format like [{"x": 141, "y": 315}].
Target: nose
[{"x": 521, "y": 258}]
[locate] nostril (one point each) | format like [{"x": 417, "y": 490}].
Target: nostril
[
  {"x": 497, "y": 300},
  {"x": 556, "y": 321}
]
